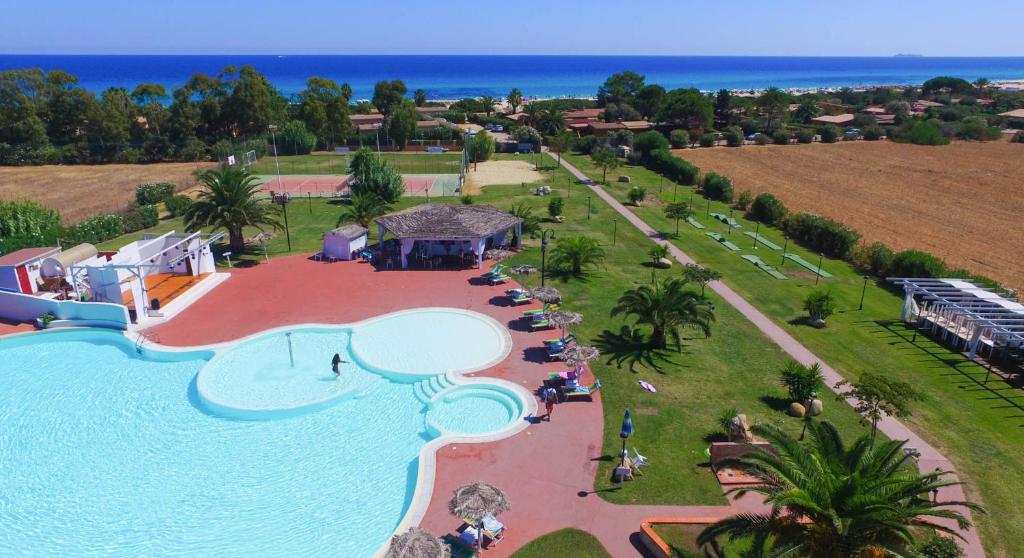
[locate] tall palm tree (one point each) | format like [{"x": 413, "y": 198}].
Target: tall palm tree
[
  {"x": 514, "y": 99},
  {"x": 229, "y": 201},
  {"x": 488, "y": 103},
  {"x": 550, "y": 121},
  {"x": 667, "y": 308},
  {"x": 576, "y": 253},
  {"x": 829, "y": 499},
  {"x": 363, "y": 208}
]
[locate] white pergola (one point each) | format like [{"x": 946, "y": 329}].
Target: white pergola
[{"x": 963, "y": 314}]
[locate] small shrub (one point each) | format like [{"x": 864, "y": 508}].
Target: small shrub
[
  {"x": 938, "y": 547},
  {"x": 585, "y": 145},
  {"x": 648, "y": 142},
  {"x": 1018, "y": 137},
  {"x": 679, "y": 138},
  {"x": 95, "y": 229},
  {"x": 733, "y": 136},
  {"x": 820, "y": 305},
  {"x": 829, "y": 134},
  {"x": 295, "y": 139},
  {"x": 875, "y": 258},
  {"x": 924, "y": 133},
  {"x": 872, "y": 133},
  {"x": 801, "y": 381},
  {"x": 914, "y": 263},
  {"x": 153, "y": 193},
  {"x": 805, "y": 136},
  {"x": 466, "y": 199},
  {"x": 780, "y": 137},
  {"x": 177, "y": 205},
  {"x": 743, "y": 200},
  {"x": 637, "y": 195},
  {"x": 767, "y": 209},
  {"x": 555, "y": 206},
  {"x": 707, "y": 140},
  {"x": 140, "y": 217},
  {"x": 717, "y": 187}
]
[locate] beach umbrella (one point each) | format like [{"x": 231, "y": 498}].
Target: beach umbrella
[
  {"x": 475, "y": 501},
  {"x": 578, "y": 355},
  {"x": 523, "y": 269},
  {"x": 498, "y": 254},
  {"x": 564, "y": 319},
  {"x": 417, "y": 543},
  {"x": 625, "y": 433},
  {"x": 546, "y": 295}
]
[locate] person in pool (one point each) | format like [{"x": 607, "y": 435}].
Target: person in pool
[{"x": 335, "y": 365}]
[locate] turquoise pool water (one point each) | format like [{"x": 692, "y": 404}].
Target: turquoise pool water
[{"x": 106, "y": 452}]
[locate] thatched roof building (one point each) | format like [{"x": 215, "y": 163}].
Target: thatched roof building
[{"x": 431, "y": 229}]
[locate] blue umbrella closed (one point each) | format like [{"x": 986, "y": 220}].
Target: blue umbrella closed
[{"x": 626, "y": 432}]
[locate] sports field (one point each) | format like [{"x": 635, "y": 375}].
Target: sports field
[
  {"x": 330, "y": 163},
  {"x": 326, "y": 185},
  {"x": 960, "y": 201}
]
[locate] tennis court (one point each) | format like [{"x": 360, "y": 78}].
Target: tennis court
[{"x": 325, "y": 185}]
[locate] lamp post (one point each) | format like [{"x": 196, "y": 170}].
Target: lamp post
[
  {"x": 807, "y": 413},
  {"x": 273, "y": 139},
  {"x": 615, "y": 230},
  {"x": 863, "y": 291},
  {"x": 707, "y": 210},
  {"x": 569, "y": 180},
  {"x": 283, "y": 199},
  {"x": 588, "y": 208},
  {"x": 784, "y": 246},
  {"x": 730, "y": 220},
  {"x": 543, "y": 250},
  {"x": 757, "y": 230},
  {"x": 625, "y": 433},
  {"x": 817, "y": 273}
]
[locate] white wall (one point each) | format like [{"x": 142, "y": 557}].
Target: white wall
[{"x": 26, "y": 308}]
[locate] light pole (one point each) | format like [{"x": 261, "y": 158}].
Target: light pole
[
  {"x": 707, "y": 210},
  {"x": 807, "y": 413},
  {"x": 863, "y": 291},
  {"x": 588, "y": 208},
  {"x": 283, "y": 199},
  {"x": 273, "y": 139},
  {"x": 817, "y": 274},
  {"x": 543, "y": 250},
  {"x": 730, "y": 220},
  {"x": 757, "y": 230},
  {"x": 784, "y": 246},
  {"x": 615, "y": 230}
]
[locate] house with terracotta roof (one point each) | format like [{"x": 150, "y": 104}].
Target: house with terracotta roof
[
  {"x": 835, "y": 120},
  {"x": 1017, "y": 113},
  {"x": 637, "y": 126},
  {"x": 604, "y": 128}
]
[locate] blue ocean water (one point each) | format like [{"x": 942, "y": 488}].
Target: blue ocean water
[{"x": 447, "y": 77}]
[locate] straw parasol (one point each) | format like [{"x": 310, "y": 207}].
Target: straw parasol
[
  {"x": 564, "y": 319},
  {"x": 578, "y": 355},
  {"x": 473, "y": 502},
  {"x": 523, "y": 269},
  {"x": 546, "y": 294},
  {"x": 417, "y": 543},
  {"x": 498, "y": 254}
]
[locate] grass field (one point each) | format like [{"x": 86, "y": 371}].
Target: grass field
[
  {"x": 329, "y": 163},
  {"x": 979, "y": 426},
  {"x": 567, "y": 542},
  {"x": 80, "y": 191},
  {"x": 960, "y": 201}
]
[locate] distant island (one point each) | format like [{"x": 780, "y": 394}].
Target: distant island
[{"x": 905, "y": 55}]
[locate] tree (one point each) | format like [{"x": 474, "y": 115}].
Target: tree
[
  {"x": 955, "y": 86},
  {"x": 820, "y": 305},
  {"x": 515, "y": 99},
  {"x": 387, "y": 95},
  {"x": 878, "y": 396},
  {"x": 604, "y": 157},
  {"x": 667, "y": 309},
  {"x": 774, "y": 103},
  {"x": 420, "y": 97},
  {"x": 576, "y": 254},
  {"x": 694, "y": 273},
  {"x": 526, "y": 134},
  {"x": 647, "y": 142},
  {"x": 363, "y": 207},
  {"x": 717, "y": 187},
  {"x": 560, "y": 143},
  {"x": 620, "y": 88},
  {"x": 481, "y": 147},
  {"x": 295, "y": 139},
  {"x": 230, "y": 200},
  {"x": 637, "y": 195},
  {"x": 253, "y": 103},
  {"x": 488, "y": 102},
  {"x": 688, "y": 108},
  {"x": 649, "y": 100},
  {"x": 531, "y": 223},
  {"x": 801, "y": 382},
  {"x": 324, "y": 107},
  {"x": 402, "y": 124},
  {"x": 550, "y": 121},
  {"x": 723, "y": 107},
  {"x": 768, "y": 209},
  {"x": 807, "y": 110},
  {"x": 555, "y": 207},
  {"x": 830, "y": 499},
  {"x": 373, "y": 175},
  {"x": 678, "y": 211}
]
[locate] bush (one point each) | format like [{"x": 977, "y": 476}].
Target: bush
[
  {"x": 977, "y": 129},
  {"x": 153, "y": 193},
  {"x": 679, "y": 138},
  {"x": 874, "y": 258},
  {"x": 177, "y": 205},
  {"x": 648, "y": 142},
  {"x": 768, "y": 209},
  {"x": 829, "y": 133},
  {"x": 820, "y": 305},
  {"x": 637, "y": 195},
  {"x": 681, "y": 171},
  {"x": 717, "y": 187},
  {"x": 801, "y": 382},
  {"x": 914, "y": 263},
  {"x": 707, "y": 140},
  {"x": 780, "y": 137},
  {"x": 466, "y": 199},
  {"x": 743, "y": 200},
  {"x": 139, "y": 217},
  {"x": 585, "y": 145},
  {"x": 924, "y": 133},
  {"x": 938, "y": 547},
  {"x": 872, "y": 133},
  {"x": 481, "y": 147},
  {"x": 821, "y": 234},
  {"x": 193, "y": 150},
  {"x": 733, "y": 136},
  {"x": 526, "y": 134},
  {"x": 1018, "y": 137},
  {"x": 555, "y": 206},
  {"x": 295, "y": 139},
  {"x": 805, "y": 136},
  {"x": 95, "y": 230},
  {"x": 454, "y": 116},
  {"x": 624, "y": 137},
  {"x": 28, "y": 219}
]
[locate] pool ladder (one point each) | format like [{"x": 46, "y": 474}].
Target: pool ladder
[{"x": 142, "y": 338}]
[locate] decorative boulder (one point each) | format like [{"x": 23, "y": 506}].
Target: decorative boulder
[
  {"x": 663, "y": 263},
  {"x": 797, "y": 410},
  {"x": 817, "y": 407},
  {"x": 625, "y": 179},
  {"x": 739, "y": 430},
  {"x": 817, "y": 322}
]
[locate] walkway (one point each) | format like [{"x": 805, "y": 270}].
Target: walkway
[{"x": 930, "y": 459}]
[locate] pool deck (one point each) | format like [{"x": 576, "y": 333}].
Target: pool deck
[{"x": 547, "y": 470}]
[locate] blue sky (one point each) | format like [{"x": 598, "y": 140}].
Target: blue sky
[{"x": 736, "y": 27}]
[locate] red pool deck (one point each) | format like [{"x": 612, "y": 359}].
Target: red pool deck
[{"x": 547, "y": 470}]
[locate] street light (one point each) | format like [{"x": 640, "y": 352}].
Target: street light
[
  {"x": 283, "y": 199},
  {"x": 757, "y": 230},
  {"x": 863, "y": 290},
  {"x": 784, "y": 246},
  {"x": 730, "y": 220},
  {"x": 543, "y": 250},
  {"x": 807, "y": 413},
  {"x": 588, "y": 208},
  {"x": 817, "y": 274},
  {"x": 615, "y": 230},
  {"x": 273, "y": 138}
]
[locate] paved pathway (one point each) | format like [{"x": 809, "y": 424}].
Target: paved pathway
[{"x": 930, "y": 460}]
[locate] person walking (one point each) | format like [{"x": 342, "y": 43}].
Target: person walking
[{"x": 548, "y": 395}]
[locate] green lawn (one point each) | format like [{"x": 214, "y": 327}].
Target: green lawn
[
  {"x": 682, "y": 540},
  {"x": 980, "y": 427},
  {"x": 567, "y": 542},
  {"x": 405, "y": 163}
]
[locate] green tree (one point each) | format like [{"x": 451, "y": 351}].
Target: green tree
[
  {"x": 550, "y": 121},
  {"x": 829, "y": 499},
  {"x": 677, "y": 211},
  {"x": 373, "y": 175},
  {"x": 688, "y": 108},
  {"x": 774, "y": 104},
  {"x": 576, "y": 254},
  {"x": 604, "y": 157},
  {"x": 697, "y": 274},
  {"x": 514, "y": 99},
  {"x": 649, "y": 100},
  {"x": 487, "y": 102},
  {"x": 420, "y": 97},
  {"x": 363, "y": 208},
  {"x": 878, "y": 396},
  {"x": 560, "y": 143},
  {"x": 801, "y": 381},
  {"x": 402, "y": 124},
  {"x": 531, "y": 222},
  {"x": 295, "y": 139},
  {"x": 667, "y": 308},
  {"x": 723, "y": 107},
  {"x": 620, "y": 88},
  {"x": 323, "y": 106},
  {"x": 647, "y": 142},
  {"x": 111, "y": 126},
  {"x": 388, "y": 95},
  {"x": 481, "y": 147},
  {"x": 230, "y": 200},
  {"x": 253, "y": 104},
  {"x": 637, "y": 195},
  {"x": 807, "y": 110},
  {"x": 820, "y": 305}
]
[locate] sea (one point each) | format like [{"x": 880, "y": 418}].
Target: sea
[{"x": 453, "y": 77}]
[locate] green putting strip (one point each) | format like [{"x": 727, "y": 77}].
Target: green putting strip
[
  {"x": 763, "y": 241},
  {"x": 727, "y": 220},
  {"x": 696, "y": 224},
  {"x": 721, "y": 240},
  {"x": 764, "y": 267},
  {"x": 806, "y": 264}
]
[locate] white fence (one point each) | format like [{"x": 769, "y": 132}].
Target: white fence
[{"x": 26, "y": 308}]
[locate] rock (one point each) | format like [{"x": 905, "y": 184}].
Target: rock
[
  {"x": 663, "y": 263},
  {"x": 797, "y": 410},
  {"x": 739, "y": 430},
  {"x": 817, "y": 407},
  {"x": 817, "y": 322},
  {"x": 625, "y": 179}
]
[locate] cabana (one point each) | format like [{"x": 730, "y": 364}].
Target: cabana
[{"x": 428, "y": 235}]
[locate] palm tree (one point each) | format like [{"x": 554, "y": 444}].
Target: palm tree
[
  {"x": 229, "y": 201},
  {"x": 488, "y": 103},
  {"x": 363, "y": 208},
  {"x": 533, "y": 112},
  {"x": 550, "y": 121},
  {"x": 829, "y": 499},
  {"x": 531, "y": 222},
  {"x": 514, "y": 99},
  {"x": 576, "y": 253},
  {"x": 667, "y": 308}
]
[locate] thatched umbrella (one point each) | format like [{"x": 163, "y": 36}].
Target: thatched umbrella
[
  {"x": 475, "y": 501},
  {"x": 564, "y": 319},
  {"x": 498, "y": 254},
  {"x": 417, "y": 543},
  {"x": 523, "y": 269},
  {"x": 579, "y": 355},
  {"x": 546, "y": 295}
]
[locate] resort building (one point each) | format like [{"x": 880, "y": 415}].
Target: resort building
[
  {"x": 837, "y": 120},
  {"x": 20, "y": 271},
  {"x": 432, "y": 236}
]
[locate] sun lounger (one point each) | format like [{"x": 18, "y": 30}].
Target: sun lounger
[
  {"x": 496, "y": 271},
  {"x": 541, "y": 324},
  {"x": 583, "y": 391},
  {"x": 489, "y": 526},
  {"x": 497, "y": 279},
  {"x": 521, "y": 299},
  {"x": 547, "y": 308},
  {"x": 563, "y": 341},
  {"x": 460, "y": 548}
]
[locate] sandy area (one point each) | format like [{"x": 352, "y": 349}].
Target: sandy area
[
  {"x": 80, "y": 191},
  {"x": 962, "y": 201},
  {"x": 500, "y": 172}
]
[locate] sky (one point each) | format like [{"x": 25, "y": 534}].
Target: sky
[{"x": 655, "y": 27}]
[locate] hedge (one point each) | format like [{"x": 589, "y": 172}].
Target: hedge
[
  {"x": 768, "y": 209},
  {"x": 717, "y": 187},
  {"x": 914, "y": 263},
  {"x": 153, "y": 193},
  {"x": 139, "y": 217},
  {"x": 822, "y": 234},
  {"x": 681, "y": 171},
  {"x": 95, "y": 229}
]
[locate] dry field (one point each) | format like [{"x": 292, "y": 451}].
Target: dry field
[
  {"x": 500, "y": 172},
  {"x": 963, "y": 202},
  {"x": 80, "y": 191}
]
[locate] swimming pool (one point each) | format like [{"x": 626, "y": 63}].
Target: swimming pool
[{"x": 113, "y": 452}]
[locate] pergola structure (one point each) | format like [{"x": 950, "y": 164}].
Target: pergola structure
[
  {"x": 963, "y": 314},
  {"x": 427, "y": 232}
]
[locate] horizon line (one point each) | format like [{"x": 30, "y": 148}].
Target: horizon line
[{"x": 285, "y": 55}]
